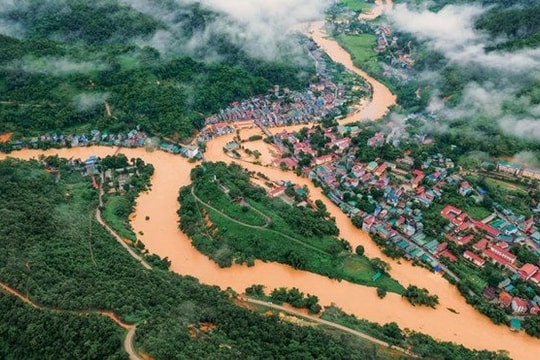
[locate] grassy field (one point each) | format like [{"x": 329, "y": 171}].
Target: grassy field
[
  {"x": 361, "y": 5},
  {"x": 114, "y": 205},
  {"x": 362, "y": 50},
  {"x": 477, "y": 212},
  {"x": 215, "y": 197},
  {"x": 278, "y": 240}
]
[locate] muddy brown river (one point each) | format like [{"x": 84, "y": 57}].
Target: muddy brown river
[{"x": 162, "y": 237}]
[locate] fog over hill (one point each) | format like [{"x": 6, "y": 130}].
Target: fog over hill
[{"x": 500, "y": 84}]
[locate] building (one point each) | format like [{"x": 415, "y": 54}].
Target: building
[
  {"x": 508, "y": 168},
  {"x": 475, "y": 259},
  {"x": 505, "y": 299},
  {"x": 527, "y": 271},
  {"x": 519, "y": 306}
]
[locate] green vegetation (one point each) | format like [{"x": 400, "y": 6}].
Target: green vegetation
[
  {"x": 54, "y": 251},
  {"x": 302, "y": 237},
  {"x": 419, "y": 344},
  {"x": 120, "y": 202},
  {"x": 362, "y": 50},
  {"x": 418, "y": 296},
  {"x": 362, "y": 5},
  {"x": 29, "y": 333},
  {"x": 73, "y": 57}
]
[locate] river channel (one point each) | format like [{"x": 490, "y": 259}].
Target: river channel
[{"x": 161, "y": 236}]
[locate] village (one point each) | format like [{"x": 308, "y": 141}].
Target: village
[{"x": 394, "y": 200}]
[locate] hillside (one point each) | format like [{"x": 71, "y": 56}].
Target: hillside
[{"x": 161, "y": 66}]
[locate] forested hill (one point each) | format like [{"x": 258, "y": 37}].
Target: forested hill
[{"x": 163, "y": 65}]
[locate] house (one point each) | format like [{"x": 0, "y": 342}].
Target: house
[
  {"x": 280, "y": 190},
  {"x": 464, "y": 240},
  {"x": 381, "y": 169},
  {"x": 527, "y": 271},
  {"x": 368, "y": 223},
  {"x": 505, "y": 299},
  {"x": 418, "y": 177},
  {"x": 508, "y": 168},
  {"x": 519, "y": 305},
  {"x": 508, "y": 256},
  {"x": 488, "y": 229},
  {"x": 323, "y": 159},
  {"x": 536, "y": 278},
  {"x": 481, "y": 244},
  {"x": 288, "y": 163},
  {"x": 465, "y": 188},
  {"x": 475, "y": 259}
]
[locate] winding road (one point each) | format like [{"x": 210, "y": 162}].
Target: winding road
[{"x": 128, "y": 341}]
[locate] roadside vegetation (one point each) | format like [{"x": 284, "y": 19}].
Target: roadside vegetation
[
  {"x": 230, "y": 220},
  {"x": 424, "y": 346}
]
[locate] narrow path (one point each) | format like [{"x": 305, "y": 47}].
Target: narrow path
[
  {"x": 327, "y": 323},
  {"x": 113, "y": 233},
  {"x": 256, "y": 226},
  {"x": 128, "y": 341}
]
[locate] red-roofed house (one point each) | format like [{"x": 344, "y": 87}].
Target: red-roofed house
[
  {"x": 505, "y": 299},
  {"x": 418, "y": 177},
  {"x": 519, "y": 306},
  {"x": 323, "y": 159},
  {"x": 504, "y": 254},
  {"x": 381, "y": 169},
  {"x": 534, "y": 310},
  {"x": 496, "y": 258},
  {"x": 536, "y": 278},
  {"x": 527, "y": 271},
  {"x": 277, "y": 191},
  {"x": 481, "y": 244},
  {"x": 289, "y": 163},
  {"x": 475, "y": 259},
  {"x": 464, "y": 240},
  {"x": 368, "y": 223},
  {"x": 488, "y": 229}
]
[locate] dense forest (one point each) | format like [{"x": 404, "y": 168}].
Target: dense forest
[
  {"x": 52, "y": 249},
  {"x": 62, "y": 61}
]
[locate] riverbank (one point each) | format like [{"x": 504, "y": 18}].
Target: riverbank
[{"x": 161, "y": 236}]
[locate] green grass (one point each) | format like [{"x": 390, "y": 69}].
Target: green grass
[
  {"x": 361, "y": 5},
  {"x": 359, "y": 269},
  {"x": 471, "y": 274},
  {"x": 112, "y": 206},
  {"x": 477, "y": 212},
  {"x": 270, "y": 245},
  {"x": 362, "y": 50},
  {"x": 216, "y": 198}
]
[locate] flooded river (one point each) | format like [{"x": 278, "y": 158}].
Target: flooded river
[{"x": 162, "y": 237}]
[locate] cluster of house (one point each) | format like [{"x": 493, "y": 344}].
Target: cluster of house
[
  {"x": 285, "y": 107},
  {"x": 399, "y": 188},
  {"x": 133, "y": 138}
]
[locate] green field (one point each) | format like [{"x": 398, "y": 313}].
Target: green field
[
  {"x": 115, "y": 213},
  {"x": 362, "y": 50},
  {"x": 361, "y": 5}
]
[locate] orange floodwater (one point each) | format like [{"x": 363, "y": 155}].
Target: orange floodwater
[
  {"x": 5, "y": 137},
  {"x": 162, "y": 237}
]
